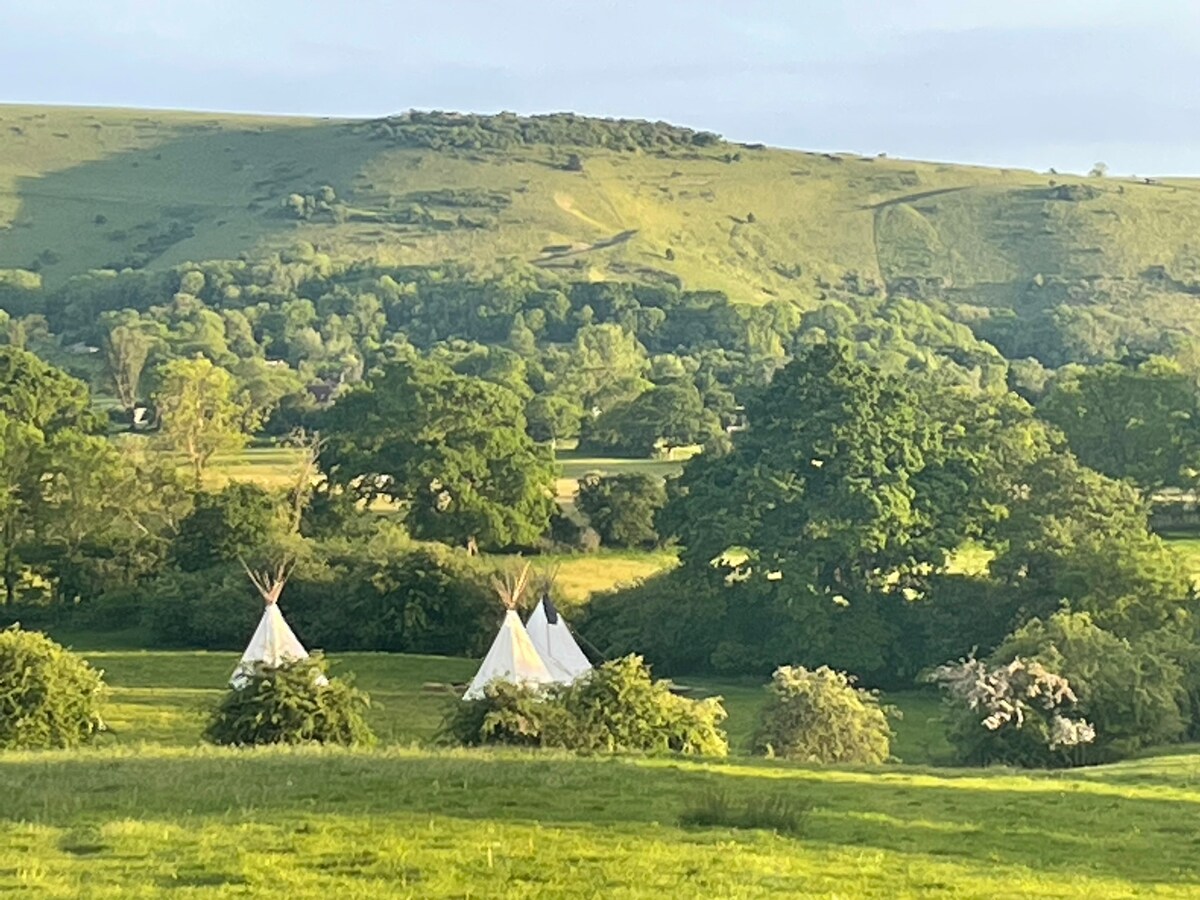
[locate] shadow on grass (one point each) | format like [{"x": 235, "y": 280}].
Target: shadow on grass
[{"x": 1049, "y": 823}]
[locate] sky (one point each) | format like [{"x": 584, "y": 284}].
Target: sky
[{"x": 1021, "y": 83}]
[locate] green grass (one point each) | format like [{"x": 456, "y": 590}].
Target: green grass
[
  {"x": 149, "y": 811},
  {"x": 582, "y": 574},
  {"x": 1188, "y": 550},
  {"x": 163, "y": 696}
]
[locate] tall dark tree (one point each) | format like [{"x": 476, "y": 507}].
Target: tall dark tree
[
  {"x": 820, "y": 488},
  {"x": 1139, "y": 423},
  {"x": 667, "y": 416},
  {"x": 622, "y": 507},
  {"x": 1074, "y": 535}
]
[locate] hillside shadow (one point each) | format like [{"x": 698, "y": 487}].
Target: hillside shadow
[
  {"x": 196, "y": 188},
  {"x": 1058, "y": 826}
]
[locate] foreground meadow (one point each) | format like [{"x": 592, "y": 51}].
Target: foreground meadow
[{"x": 149, "y": 811}]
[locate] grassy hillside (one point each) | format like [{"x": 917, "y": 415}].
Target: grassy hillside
[
  {"x": 81, "y": 189},
  {"x": 150, "y": 811}
]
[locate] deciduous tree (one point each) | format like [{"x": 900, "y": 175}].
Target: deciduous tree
[
  {"x": 202, "y": 412},
  {"x": 453, "y": 448}
]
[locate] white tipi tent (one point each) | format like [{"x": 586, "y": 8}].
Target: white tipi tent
[
  {"x": 274, "y": 642},
  {"x": 555, "y": 643},
  {"x": 512, "y": 656}
]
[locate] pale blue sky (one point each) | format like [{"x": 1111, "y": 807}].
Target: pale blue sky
[{"x": 1034, "y": 83}]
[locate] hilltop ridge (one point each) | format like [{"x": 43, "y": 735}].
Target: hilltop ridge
[{"x": 82, "y": 189}]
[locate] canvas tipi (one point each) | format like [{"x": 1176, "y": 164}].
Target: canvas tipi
[
  {"x": 512, "y": 656},
  {"x": 274, "y": 642},
  {"x": 554, "y": 641}
]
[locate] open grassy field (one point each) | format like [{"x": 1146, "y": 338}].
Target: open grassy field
[
  {"x": 162, "y": 697},
  {"x": 92, "y": 188},
  {"x": 150, "y": 812}
]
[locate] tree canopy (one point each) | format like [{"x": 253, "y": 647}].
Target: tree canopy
[{"x": 452, "y": 448}]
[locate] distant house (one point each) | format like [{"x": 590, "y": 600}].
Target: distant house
[
  {"x": 82, "y": 349},
  {"x": 322, "y": 392},
  {"x": 737, "y": 421}
]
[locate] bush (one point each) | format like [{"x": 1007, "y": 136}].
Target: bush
[
  {"x": 819, "y": 716},
  {"x": 222, "y": 525},
  {"x": 507, "y": 713},
  {"x": 213, "y": 609},
  {"x": 675, "y": 618},
  {"x": 407, "y": 598},
  {"x": 1016, "y": 713},
  {"x": 1180, "y": 643},
  {"x": 291, "y": 704},
  {"x": 617, "y": 708},
  {"x": 49, "y": 697}
]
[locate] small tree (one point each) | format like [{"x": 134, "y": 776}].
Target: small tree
[
  {"x": 1130, "y": 692},
  {"x": 622, "y": 507},
  {"x": 49, "y": 697},
  {"x": 820, "y": 716},
  {"x": 128, "y": 344},
  {"x": 202, "y": 413},
  {"x": 1099, "y": 170},
  {"x": 223, "y": 526}
]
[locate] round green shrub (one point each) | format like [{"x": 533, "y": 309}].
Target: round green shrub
[
  {"x": 819, "y": 716},
  {"x": 616, "y": 708},
  {"x": 49, "y": 696},
  {"x": 291, "y": 704},
  {"x": 507, "y": 713},
  {"x": 619, "y": 708}
]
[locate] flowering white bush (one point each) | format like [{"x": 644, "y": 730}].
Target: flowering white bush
[{"x": 1011, "y": 713}]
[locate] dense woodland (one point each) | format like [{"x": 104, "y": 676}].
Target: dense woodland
[{"x": 855, "y": 447}]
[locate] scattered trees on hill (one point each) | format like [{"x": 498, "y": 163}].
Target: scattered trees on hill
[{"x": 467, "y": 131}]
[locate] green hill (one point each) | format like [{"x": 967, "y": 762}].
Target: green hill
[{"x": 83, "y": 189}]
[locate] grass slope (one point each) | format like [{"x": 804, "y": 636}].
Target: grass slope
[
  {"x": 86, "y": 188},
  {"x": 137, "y": 819}
]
